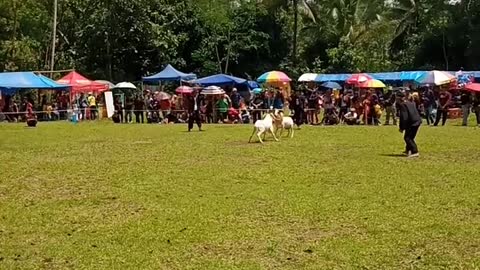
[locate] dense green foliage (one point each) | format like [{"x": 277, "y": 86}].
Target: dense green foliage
[{"x": 125, "y": 39}]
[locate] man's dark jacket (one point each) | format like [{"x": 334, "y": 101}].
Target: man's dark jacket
[
  {"x": 409, "y": 115},
  {"x": 191, "y": 103}
]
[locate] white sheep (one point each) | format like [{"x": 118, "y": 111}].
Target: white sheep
[
  {"x": 262, "y": 127},
  {"x": 283, "y": 122}
]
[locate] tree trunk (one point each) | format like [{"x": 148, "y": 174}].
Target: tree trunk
[
  {"x": 54, "y": 36},
  {"x": 13, "y": 51},
  {"x": 295, "y": 32},
  {"x": 219, "y": 60},
  {"x": 15, "y": 13},
  {"x": 109, "y": 49},
  {"x": 228, "y": 53},
  {"x": 445, "y": 56}
]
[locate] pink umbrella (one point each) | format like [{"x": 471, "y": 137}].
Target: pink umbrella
[
  {"x": 184, "y": 90},
  {"x": 162, "y": 96},
  {"x": 474, "y": 87},
  {"x": 356, "y": 79}
]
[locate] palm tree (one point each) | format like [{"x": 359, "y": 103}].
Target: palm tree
[
  {"x": 406, "y": 14},
  {"x": 297, "y": 7},
  {"x": 342, "y": 18}
]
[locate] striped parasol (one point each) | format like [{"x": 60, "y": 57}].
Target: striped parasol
[{"x": 213, "y": 90}]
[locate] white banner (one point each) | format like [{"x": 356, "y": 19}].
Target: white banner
[{"x": 109, "y": 104}]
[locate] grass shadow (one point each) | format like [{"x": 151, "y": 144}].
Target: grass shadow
[{"x": 393, "y": 155}]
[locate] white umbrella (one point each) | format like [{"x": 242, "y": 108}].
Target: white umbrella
[
  {"x": 125, "y": 85},
  {"x": 110, "y": 85},
  {"x": 308, "y": 77},
  {"x": 213, "y": 90},
  {"x": 436, "y": 77}
]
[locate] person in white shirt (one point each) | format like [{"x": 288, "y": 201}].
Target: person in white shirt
[{"x": 351, "y": 118}]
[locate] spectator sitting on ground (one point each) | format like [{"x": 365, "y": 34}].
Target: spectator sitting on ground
[
  {"x": 56, "y": 113},
  {"x": 171, "y": 119},
  {"x": 116, "y": 118},
  {"x": 153, "y": 118},
  {"x": 331, "y": 118},
  {"x": 245, "y": 117},
  {"x": 351, "y": 118},
  {"x": 234, "y": 116}
]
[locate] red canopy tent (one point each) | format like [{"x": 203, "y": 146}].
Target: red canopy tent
[{"x": 80, "y": 84}]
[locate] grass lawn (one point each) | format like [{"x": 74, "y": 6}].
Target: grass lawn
[{"x": 104, "y": 196}]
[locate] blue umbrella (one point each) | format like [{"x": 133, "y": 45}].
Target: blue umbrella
[
  {"x": 331, "y": 85},
  {"x": 257, "y": 90},
  {"x": 253, "y": 84}
]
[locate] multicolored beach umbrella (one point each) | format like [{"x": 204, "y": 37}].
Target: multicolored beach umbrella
[
  {"x": 273, "y": 77},
  {"x": 372, "y": 84},
  {"x": 436, "y": 77}
]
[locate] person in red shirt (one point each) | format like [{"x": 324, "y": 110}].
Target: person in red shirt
[
  {"x": 30, "y": 115},
  {"x": 444, "y": 101},
  {"x": 234, "y": 115}
]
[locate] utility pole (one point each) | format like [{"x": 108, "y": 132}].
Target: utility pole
[{"x": 54, "y": 30}]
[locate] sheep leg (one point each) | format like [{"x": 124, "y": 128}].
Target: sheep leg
[
  {"x": 259, "y": 135},
  {"x": 273, "y": 134},
  {"x": 254, "y": 129}
]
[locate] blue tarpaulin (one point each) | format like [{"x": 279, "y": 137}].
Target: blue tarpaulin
[
  {"x": 475, "y": 74},
  {"x": 401, "y": 76},
  {"x": 411, "y": 75},
  {"x": 12, "y": 81},
  {"x": 387, "y": 76},
  {"x": 332, "y": 77},
  {"x": 221, "y": 80},
  {"x": 169, "y": 74}
]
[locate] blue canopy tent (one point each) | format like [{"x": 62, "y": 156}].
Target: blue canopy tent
[
  {"x": 13, "y": 81},
  {"x": 169, "y": 74},
  {"x": 221, "y": 80}
]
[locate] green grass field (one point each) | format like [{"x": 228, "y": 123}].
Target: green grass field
[{"x": 104, "y": 196}]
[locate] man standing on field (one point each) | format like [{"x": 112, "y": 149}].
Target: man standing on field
[{"x": 410, "y": 122}]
